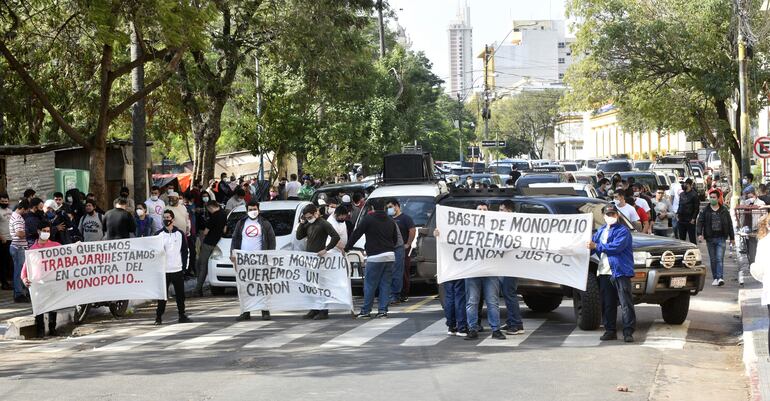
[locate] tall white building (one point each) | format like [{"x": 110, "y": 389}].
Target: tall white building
[
  {"x": 537, "y": 55},
  {"x": 461, "y": 52}
]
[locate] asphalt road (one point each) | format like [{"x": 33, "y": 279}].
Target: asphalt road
[{"x": 408, "y": 356}]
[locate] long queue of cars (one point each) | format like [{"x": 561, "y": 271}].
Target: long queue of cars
[{"x": 668, "y": 271}]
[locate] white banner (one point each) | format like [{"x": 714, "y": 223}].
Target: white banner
[
  {"x": 547, "y": 247},
  {"x": 88, "y": 272},
  {"x": 292, "y": 280}
]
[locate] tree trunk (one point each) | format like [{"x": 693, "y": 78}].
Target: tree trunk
[
  {"x": 98, "y": 170},
  {"x": 138, "y": 123}
]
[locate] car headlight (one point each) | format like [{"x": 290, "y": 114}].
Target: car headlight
[
  {"x": 216, "y": 253},
  {"x": 692, "y": 257},
  {"x": 640, "y": 258}
]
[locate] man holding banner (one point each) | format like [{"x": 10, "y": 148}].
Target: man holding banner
[
  {"x": 175, "y": 245},
  {"x": 43, "y": 241},
  {"x": 252, "y": 233},
  {"x": 513, "y": 323},
  {"x": 321, "y": 238}
]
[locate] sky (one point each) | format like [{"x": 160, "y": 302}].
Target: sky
[{"x": 426, "y": 23}]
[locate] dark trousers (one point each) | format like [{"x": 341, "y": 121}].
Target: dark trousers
[
  {"x": 40, "y": 323},
  {"x": 177, "y": 280},
  {"x": 623, "y": 287},
  {"x": 6, "y": 263},
  {"x": 609, "y": 302},
  {"x": 185, "y": 255},
  {"x": 454, "y": 304},
  {"x": 686, "y": 228},
  {"x": 405, "y": 287},
  {"x": 203, "y": 265},
  {"x": 191, "y": 240}
]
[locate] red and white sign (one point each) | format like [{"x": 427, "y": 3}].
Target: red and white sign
[
  {"x": 253, "y": 231},
  {"x": 762, "y": 147}
]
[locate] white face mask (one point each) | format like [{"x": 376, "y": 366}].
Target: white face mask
[
  {"x": 253, "y": 214},
  {"x": 330, "y": 210},
  {"x": 311, "y": 221},
  {"x": 140, "y": 212},
  {"x": 205, "y": 200},
  {"x": 45, "y": 235},
  {"x": 154, "y": 198},
  {"x": 610, "y": 220}
]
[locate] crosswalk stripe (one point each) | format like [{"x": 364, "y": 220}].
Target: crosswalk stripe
[
  {"x": 212, "y": 338},
  {"x": 148, "y": 337},
  {"x": 530, "y": 325},
  {"x": 74, "y": 342},
  {"x": 363, "y": 333},
  {"x": 580, "y": 338},
  {"x": 667, "y": 336},
  {"x": 290, "y": 335},
  {"x": 431, "y": 335}
]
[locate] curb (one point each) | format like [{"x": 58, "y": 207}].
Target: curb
[
  {"x": 23, "y": 327},
  {"x": 755, "y": 354}
]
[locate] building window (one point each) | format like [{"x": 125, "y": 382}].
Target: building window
[
  {"x": 569, "y": 53},
  {"x": 561, "y": 76},
  {"x": 562, "y": 45},
  {"x": 561, "y": 60}
]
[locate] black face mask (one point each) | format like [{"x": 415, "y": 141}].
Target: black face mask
[
  {"x": 124, "y": 195},
  {"x": 3, "y": 205},
  {"x": 168, "y": 222}
]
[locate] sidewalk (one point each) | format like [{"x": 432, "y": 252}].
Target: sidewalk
[
  {"x": 16, "y": 318},
  {"x": 755, "y": 326}
]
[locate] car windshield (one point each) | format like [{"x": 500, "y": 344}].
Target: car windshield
[
  {"x": 570, "y": 167},
  {"x": 644, "y": 166},
  {"x": 679, "y": 171},
  {"x": 617, "y": 166},
  {"x": 592, "y": 163},
  {"x": 644, "y": 179},
  {"x": 500, "y": 168},
  {"x": 281, "y": 220},
  {"x": 419, "y": 208},
  {"x": 232, "y": 220},
  {"x": 472, "y": 203}
]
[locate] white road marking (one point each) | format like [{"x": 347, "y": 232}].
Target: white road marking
[
  {"x": 279, "y": 340},
  {"x": 148, "y": 337},
  {"x": 530, "y": 325},
  {"x": 667, "y": 336},
  {"x": 431, "y": 335},
  {"x": 220, "y": 335},
  {"x": 363, "y": 333},
  {"x": 74, "y": 342},
  {"x": 581, "y": 338}
]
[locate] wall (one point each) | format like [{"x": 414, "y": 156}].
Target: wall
[{"x": 34, "y": 171}]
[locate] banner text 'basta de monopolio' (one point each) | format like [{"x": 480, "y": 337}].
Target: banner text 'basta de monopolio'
[
  {"x": 88, "y": 272},
  {"x": 543, "y": 247}
]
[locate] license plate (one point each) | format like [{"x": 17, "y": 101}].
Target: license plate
[{"x": 678, "y": 282}]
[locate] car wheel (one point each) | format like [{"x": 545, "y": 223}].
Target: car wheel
[
  {"x": 675, "y": 310},
  {"x": 542, "y": 303},
  {"x": 587, "y": 304},
  {"x": 217, "y": 290}
]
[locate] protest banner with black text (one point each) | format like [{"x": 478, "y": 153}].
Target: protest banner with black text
[
  {"x": 292, "y": 280},
  {"x": 88, "y": 272},
  {"x": 547, "y": 247}
]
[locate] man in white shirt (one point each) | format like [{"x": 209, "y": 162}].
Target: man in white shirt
[
  {"x": 175, "y": 245},
  {"x": 292, "y": 188},
  {"x": 627, "y": 210},
  {"x": 673, "y": 194},
  {"x": 155, "y": 208},
  {"x": 340, "y": 220}
]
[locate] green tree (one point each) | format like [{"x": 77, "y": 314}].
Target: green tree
[
  {"x": 525, "y": 121},
  {"x": 83, "y": 82}
]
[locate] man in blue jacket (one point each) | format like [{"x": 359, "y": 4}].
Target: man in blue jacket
[{"x": 613, "y": 242}]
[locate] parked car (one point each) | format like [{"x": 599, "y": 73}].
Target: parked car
[
  {"x": 642, "y": 165},
  {"x": 570, "y": 166},
  {"x": 614, "y": 166},
  {"x": 668, "y": 271},
  {"x": 363, "y": 188},
  {"x": 561, "y": 188},
  {"x": 592, "y": 164},
  {"x": 527, "y": 179},
  {"x": 646, "y": 178},
  {"x": 282, "y": 215},
  {"x": 505, "y": 166}
]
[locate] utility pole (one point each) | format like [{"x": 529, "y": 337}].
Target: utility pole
[
  {"x": 744, "y": 135},
  {"x": 259, "y": 123},
  {"x": 486, "y": 113},
  {"x": 460, "y": 124},
  {"x": 382, "y": 28},
  {"x": 138, "y": 122}
]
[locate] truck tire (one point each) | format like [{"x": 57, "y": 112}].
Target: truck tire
[
  {"x": 588, "y": 304},
  {"x": 675, "y": 310},
  {"x": 217, "y": 291},
  {"x": 542, "y": 303}
]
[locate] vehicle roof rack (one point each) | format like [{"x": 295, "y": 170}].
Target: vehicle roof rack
[{"x": 457, "y": 192}]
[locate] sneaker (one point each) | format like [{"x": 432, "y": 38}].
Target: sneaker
[
  {"x": 609, "y": 336},
  {"x": 462, "y": 332},
  {"x": 451, "y": 331},
  {"x": 311, "y": 314},
  {"x": 363, "y": 315},
  {"x": 498, "y": 335},
  {"x": 628, "y": 338},
  {"x": 715, "y": 282},
  {"x": 514, "y": 330},
  {"x": 481, "y": 328},
  {"x": 243, "y": 316},
  {"x": 381, "y": 315},
  {"x": 265, "y": 315},
  {"x": 721, "y": 282},
  {"x": 472, "y": 335},
  {"x": 184, "y": 319},
  {"x": 158, "y": 322},
  {"x": 403, "y": 299},
  {"x": 199, "y": 293}
]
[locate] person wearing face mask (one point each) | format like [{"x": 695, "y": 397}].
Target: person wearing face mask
[
  {"x": 613, "y": 243},
  {"x": 124, "y": 194},
  {"x": 212, "y": 233},
  {"x": 58, "y": 220},
  {"x": 662, "y": 213},
  {"x": 33, "y": 218},
  {"x": 236, "y": 200},
  {"x": 627, "y": 210},
  {"x": 321, "y": 238},
  {"x": 273, "y": 193},
  {"x": 91, "y": 225},
  {"x": 469, "y": 182},
  {"x": 748, "y": 182},
  {"x": 602, "y": 187},
  {"x": 143, "y": 222},
  {"x": 118, "y": 222},
  {"x": 174, "y": 244},
  {"x": 751, "y": 198},
  {"x": 689, "y": 206},
  {"x": 6, "y": 262},
  {"x": 43, "y": 241},
  {"x": 182, "y": 222},
  {"x": 155, "y": 208},
  {"x": 340, "y": 220},
  {"x": 399, "y": 291},
  {"x": 331, "y": 205},
  {"x": 252, "y": 233},
  {"x": 715, "y": 226}
]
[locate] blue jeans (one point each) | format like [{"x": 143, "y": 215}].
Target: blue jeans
[
  {"x": 17, "y": 254},
  {"x": 513, "y": 313},
  {"x": 609, "y": 302},
  {"x": 377, "y": 276},
  {"x": 675, "y": 225},
  {"x": 626, "y": 300},
  {"x": 716, "y": 247},
  {"x": 454, "y": 304},
  {"x": 398, "y": 274},
  {"x": 491, "y": 298}
]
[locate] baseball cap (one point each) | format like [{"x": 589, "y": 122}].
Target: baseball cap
[
  {"x": 173, "y": 195},
  {"x": 610, "y": 208},
  {"x": 345, "y": 198},
  {"x": 50, "y": 204}
]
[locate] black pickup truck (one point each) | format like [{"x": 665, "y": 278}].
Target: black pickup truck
[{"x": 667, "y": 271}]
